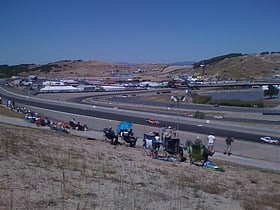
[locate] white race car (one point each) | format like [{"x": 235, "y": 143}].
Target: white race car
[
  {"x": 218, "y": 117},
  {"x": 270, "y": 140}
]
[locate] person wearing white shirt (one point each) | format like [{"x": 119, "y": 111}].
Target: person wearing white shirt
[{"x": 211, "y": 140}]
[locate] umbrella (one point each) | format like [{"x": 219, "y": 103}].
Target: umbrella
[{"x": 124, "y": 125}]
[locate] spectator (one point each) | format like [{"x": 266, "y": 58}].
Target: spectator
[
  {"x": 211, "y": 140},
  {"x": 197, "y": 140},
  {"x": 228, "y": 141},
  {"x": 206, "y": 152},
  {"x": 74, "y": 121},
  {"x": 130, "y": 133},
  {"x": 13, "y": 104},
  {"x": 174, "y": 132},
  {"x": 8, "y": 103}
]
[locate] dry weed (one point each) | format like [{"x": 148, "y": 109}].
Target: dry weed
[{"x": 48, "y": 170}]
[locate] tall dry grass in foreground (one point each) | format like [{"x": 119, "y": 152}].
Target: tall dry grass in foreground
[{"x": 42, "y": 169}]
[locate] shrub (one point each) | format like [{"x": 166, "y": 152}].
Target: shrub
[
  {"x": 199, "y": 115},
  {"x": 199, "y": 99}
]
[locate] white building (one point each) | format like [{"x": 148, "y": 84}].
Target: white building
[
  {"x": 113, "y": 87},
  {"x": 57, "y": 89},
  {"x": 149, "y": 84}
]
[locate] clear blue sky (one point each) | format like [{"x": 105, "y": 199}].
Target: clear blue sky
[{"x": 42, "y": 31}]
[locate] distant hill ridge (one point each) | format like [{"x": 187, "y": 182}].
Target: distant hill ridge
[
  {"x": 233, "y": 65},
  {"x": 214, "y": 60}
]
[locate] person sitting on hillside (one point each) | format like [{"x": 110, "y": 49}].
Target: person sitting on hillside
[{"x": 206, "y": 152}]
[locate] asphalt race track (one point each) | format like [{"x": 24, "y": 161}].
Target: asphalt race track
[{"x": 134, "y": 116}]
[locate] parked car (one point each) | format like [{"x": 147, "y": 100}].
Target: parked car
[
  {"x": 270, "y": 140},
  {"x": 152, "y": 121}
]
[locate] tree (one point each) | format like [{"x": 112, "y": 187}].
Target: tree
[{"x": 271, "y": 91}]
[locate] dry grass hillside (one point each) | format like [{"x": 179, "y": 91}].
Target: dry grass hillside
[
  {"x": 41, "y": 169},
  {"x": 246, "y": 66},
  {"x": 44, "y": 169},
  {"x": 100, "y": 70},
  {"x": 238, "y": 67}
]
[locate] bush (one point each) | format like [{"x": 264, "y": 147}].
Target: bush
[
  {"x": 199, "y": 115},
  {"x": 199, "y": 99}
]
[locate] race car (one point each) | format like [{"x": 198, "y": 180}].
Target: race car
[
  {"x": 270, "y": 140},
  {"x": 152, "y": 121}
]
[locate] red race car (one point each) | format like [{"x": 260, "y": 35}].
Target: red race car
[{"x": 152, "y": 121}]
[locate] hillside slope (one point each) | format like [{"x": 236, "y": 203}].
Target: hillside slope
[
  {"x": 231, "y": 66},
  {"x": 245, "y": 66},
  {"x": 41, "y": 169}
]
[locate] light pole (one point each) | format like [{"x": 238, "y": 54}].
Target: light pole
[{"x": 177, "y": 99}]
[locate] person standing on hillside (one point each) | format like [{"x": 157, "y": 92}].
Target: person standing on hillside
[
  {"x": 228, "y": 141},
  {"x": 211, "y": 140}
]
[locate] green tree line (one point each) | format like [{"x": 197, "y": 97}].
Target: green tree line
[{"x": 7, "y": 71}]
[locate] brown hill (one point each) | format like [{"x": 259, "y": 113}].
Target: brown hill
[
  {"x": 245, "y": 66},
  {"x": 240, "y": 67},
  {"x": 96, "y": 69},
  {"x": 227, "y": 67}
]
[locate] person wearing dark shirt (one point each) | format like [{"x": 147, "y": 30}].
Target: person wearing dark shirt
[{"x": 228, "y": 141}]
